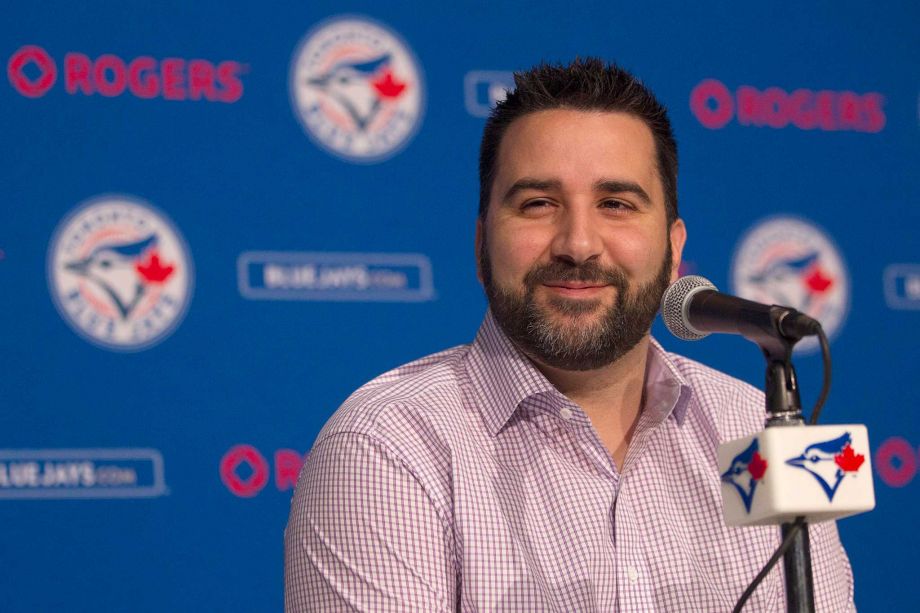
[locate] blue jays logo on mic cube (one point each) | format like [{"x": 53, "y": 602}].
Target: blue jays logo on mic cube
[{"x": 774, "y": 476}]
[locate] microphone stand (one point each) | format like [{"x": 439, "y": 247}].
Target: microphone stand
[
  {"x": 776, "y": 330},
  {"x": 785, "y": 409}
]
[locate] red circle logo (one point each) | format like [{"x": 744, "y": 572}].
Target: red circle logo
[
  {"x": 895, "y": 462},
  {"x": 701, "y": 103},
  {"x": 16, "y": 71},
  {"x": 233, "y": 459}
]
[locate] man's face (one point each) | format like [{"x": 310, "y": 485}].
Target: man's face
[{"x": 575, "y": 252}]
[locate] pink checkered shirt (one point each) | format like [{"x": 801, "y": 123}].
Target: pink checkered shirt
[{"x": 465, "y": 481}]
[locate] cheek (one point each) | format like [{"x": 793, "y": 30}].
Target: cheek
[
  {"x": 636, "y": 252},
  {"x": 514, "y": 253}
]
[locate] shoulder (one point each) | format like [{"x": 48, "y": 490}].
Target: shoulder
[
  {"x": 734, "y": 407},
  {"x": 409, "y": 405}
]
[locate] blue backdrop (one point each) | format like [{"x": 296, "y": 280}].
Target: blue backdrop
[{"x": 218, "y": 219}]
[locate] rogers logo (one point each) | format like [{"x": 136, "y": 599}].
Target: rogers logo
[
  {"x": 245, "y": 471},
  {"x": 32, "y": 72},
  {"x": 896, "y": 462},
  {"x": 714, "y": 105},
  {"x": 41, "y": 63}
]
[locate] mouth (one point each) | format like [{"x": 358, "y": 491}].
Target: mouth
[
  {"x": 799, "y": 462},
  {"x": 575, "y": 288}
]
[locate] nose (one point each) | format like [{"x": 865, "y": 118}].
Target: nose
[{"x": 577, "y": 238}]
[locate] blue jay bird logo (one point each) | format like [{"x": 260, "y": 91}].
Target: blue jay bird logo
[
  {"x": 123, "y": 271},
  {"x": 828, "y": 462},
  {"x": 357, "y": 88},
  {"x": 790, "y": 261},
  {"x": 360, "y": 88},
  {"x": 795, "y": 281},
  {"x": 119, "y": 272},
  {"x": 745, "y": 471}
]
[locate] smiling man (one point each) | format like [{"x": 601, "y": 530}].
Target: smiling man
[{"x": 563, "y": 461}]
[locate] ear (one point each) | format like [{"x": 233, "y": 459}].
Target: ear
[
  {"x": 479, "y": 239},
  {"x": 678, "y": 237}
]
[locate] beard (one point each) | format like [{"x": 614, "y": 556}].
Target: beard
[{"x": 561, "y": 333}]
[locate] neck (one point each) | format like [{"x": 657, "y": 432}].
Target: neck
[
  {"x": 611, "y": 396},
  {"x": 623, "y": 378}
]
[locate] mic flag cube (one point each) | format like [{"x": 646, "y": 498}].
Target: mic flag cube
[{"x": 772, "y": 477}]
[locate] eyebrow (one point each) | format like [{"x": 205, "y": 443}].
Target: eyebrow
[
  {"x": 535, "y": 184},
  {"x": 610, "y": 186},
  {"x": 614, "y": 186}
]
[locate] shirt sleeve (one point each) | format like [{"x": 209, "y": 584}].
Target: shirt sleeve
[{"x": 364, "y": 535}]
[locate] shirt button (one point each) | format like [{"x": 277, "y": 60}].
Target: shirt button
[
  {"x": 632, "y": 574},
  {"x": 565, "y": 413}
]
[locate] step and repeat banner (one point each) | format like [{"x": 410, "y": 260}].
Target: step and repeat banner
[{"x": 218, "y": 220}]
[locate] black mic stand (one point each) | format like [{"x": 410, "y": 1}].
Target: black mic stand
[
  {"x": 785, "y": 409},
  {"x": 776, "y": 330}
]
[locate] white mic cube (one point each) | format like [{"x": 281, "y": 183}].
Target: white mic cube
[{"x": 774, "y": 476}]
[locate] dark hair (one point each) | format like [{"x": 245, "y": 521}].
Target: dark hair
[{"x": 589, "y": 85}]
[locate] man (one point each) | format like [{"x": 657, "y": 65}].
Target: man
[{"x": 563, "y": 461}]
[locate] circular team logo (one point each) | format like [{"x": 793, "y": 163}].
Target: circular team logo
[
  {"x": 790, "y": 262},
  {"x": 357, "y": 89},
  {"x": 119, "y": 273}
]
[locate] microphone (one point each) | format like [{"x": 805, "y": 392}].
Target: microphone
[{"x": 692, "y": 308}]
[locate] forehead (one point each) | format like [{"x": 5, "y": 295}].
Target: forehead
[{"x": 578, "y": 148}]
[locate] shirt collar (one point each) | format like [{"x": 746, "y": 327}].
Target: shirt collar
[
  {"x": 667, "y": 392},
  {"x": 502, "y": 378}
]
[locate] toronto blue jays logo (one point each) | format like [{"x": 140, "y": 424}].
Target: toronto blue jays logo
[
  {"x": 123, "y": 271},
  {"x": 356, "y": 88},
  {"x": 828, "y": 462},
  {"x": 795, "y": 280},
  {"x": 788, "y": 261},
  {"x": 745, "y": 471},
  {"x": 361, "y": 88},
  {"x": 119, "y": 273}
]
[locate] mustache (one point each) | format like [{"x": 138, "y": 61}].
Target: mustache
[{"x": 588, "y": 272}]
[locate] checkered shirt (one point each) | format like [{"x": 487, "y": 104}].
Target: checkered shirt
[{"x": 465, "y": 481}]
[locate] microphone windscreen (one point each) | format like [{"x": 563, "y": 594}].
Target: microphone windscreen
[{"x": 676, "y": 301}]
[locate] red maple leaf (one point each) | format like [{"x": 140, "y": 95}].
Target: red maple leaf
[
  {"x": 152, "y": 270},
  {"x": 387, "y": 86},
  {"x": 849, "y": 461},
  {"x": 816, "y": 281},
  {"x": 757, "y": 466}
]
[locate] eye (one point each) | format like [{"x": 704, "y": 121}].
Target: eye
[
  {"x": 536, "y": 205},
  {"x": 616, "y": 205}
]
